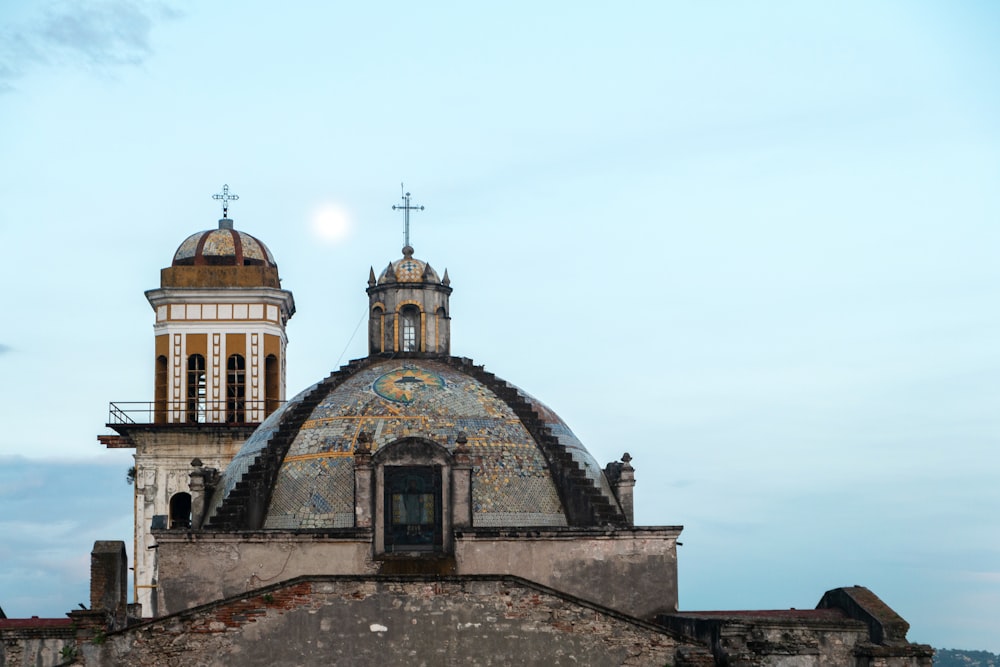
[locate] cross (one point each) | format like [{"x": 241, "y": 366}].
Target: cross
[
  {"x": 406, "y": 208},
  {"x": 225, "y": 198}
]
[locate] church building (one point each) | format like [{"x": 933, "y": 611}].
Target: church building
[{"x": 409, "y": 507}]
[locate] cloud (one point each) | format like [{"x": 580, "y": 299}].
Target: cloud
[
  {"x": 4, "y": 349},
  {"x": 101, "y": 35},
  {"x": 51, "y": 512}
]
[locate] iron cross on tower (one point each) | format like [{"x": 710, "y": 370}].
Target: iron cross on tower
[
  {"x": 406, "y": 208},
  {"x": 225, "y": 198}
]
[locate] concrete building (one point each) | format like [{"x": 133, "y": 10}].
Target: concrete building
[{"x": 408, "y": 508}]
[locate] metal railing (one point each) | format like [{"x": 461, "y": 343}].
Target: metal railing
[{"x": 230, "y": 411}]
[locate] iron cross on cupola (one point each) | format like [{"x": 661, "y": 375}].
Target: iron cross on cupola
[
  {"x": 225, "y": 198},
  {"x": 406, "y": 208}
]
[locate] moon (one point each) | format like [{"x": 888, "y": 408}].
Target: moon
[{"x": 331, "y": 223}]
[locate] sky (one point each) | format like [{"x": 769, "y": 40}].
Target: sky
[{"x": 752, "y": 244}]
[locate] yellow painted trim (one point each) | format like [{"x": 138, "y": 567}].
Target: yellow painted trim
[
  {"x": 423, "y": 331},
  {"x": 320, "y": 455},
  {"x": 323, "y": 421},
  {"x": 381, "y": 323}
]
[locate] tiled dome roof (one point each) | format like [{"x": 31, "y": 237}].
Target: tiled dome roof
[
  {"x": 224, "y": 246},
  {"x": 408, "y": 270},
  {"x": 527, "y": 464}
]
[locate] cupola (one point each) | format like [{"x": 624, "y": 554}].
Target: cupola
[{"x": 408, "y": 307}]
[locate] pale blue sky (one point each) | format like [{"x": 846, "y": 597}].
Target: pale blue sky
[{"x": 751, "y": 243}]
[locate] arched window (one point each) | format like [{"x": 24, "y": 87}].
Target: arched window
[
  {"x": 196, "y": 389},
  {"x": 160, "y": 391},
  {"x": 409, "y": 330},
  {"x": 272, "y": 383},
  {"x": 236, "y": 389},
  {"x": 180, "y": 511}
]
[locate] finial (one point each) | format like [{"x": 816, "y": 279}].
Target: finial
[
  {"x": 406, "y": 208},
  {"x": 371, "y": 276},
  {"x": 446, "y": 280},
  {"x": 225, "y": 198}
]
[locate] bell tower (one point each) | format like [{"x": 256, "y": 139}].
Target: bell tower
[
  {"x": 220, "y": 330},
  {"x": 218, "y": 371}
]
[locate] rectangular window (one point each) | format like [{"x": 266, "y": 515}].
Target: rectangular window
[{"x": 413, "y": 506}]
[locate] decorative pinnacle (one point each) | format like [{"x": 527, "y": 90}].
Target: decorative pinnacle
[
  {"x": 406, "y": 208},
  {"x": 225, "y": 198}
]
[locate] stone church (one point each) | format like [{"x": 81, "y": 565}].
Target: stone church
[{"x": 408, "y": 508}]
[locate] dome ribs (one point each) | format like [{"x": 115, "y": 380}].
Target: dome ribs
[
  {"x": 582, "y": 499},
  {"x": 246, "y": 505}
]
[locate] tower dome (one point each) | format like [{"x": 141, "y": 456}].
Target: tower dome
[
  {"x": 222, "y": 257},
  {"x": 224, "y": 246},
  {"x": 408, "y": 270}
]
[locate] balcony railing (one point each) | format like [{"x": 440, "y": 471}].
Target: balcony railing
[{"x": 191, "y": 412}]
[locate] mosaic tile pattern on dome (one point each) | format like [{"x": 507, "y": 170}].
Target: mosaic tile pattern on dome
[
  {"x": 254, "y": 249},
  {"x": 188, "y": 248},
  {"x": 219, "y": 243},
  {"x": 511, "y": 483},
  {"x": 249, "y": 451},
  {"x": 568, "y": 439},
  {"x": 409, "y": 271}
]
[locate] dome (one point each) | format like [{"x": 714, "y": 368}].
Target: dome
[
  {"x": 528, "y": 468},
  {"x": 224, "y": 246},
  {"x": 408, "y": 270}
]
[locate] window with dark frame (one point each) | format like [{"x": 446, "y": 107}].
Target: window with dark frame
[{"x": 413, "y": 508}]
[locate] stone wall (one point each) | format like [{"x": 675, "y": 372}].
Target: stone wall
[
  {"x": 851, "y": 627},
  {"x": 396, "y": 621},
  {"x": 35, "y": 642}
]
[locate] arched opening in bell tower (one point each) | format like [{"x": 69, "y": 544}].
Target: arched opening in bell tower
[
  {"x": 272, "y": 383},
  {"x": 196, "y": 389},
  {"x": 236, "y": 389},
  {"x": 160, "y": 391}
]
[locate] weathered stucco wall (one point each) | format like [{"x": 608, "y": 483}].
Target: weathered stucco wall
[
  {"x": 353, "y": 621},
  {"x": 631, "y": 570},
  {"x": 196, "y": 568}
]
